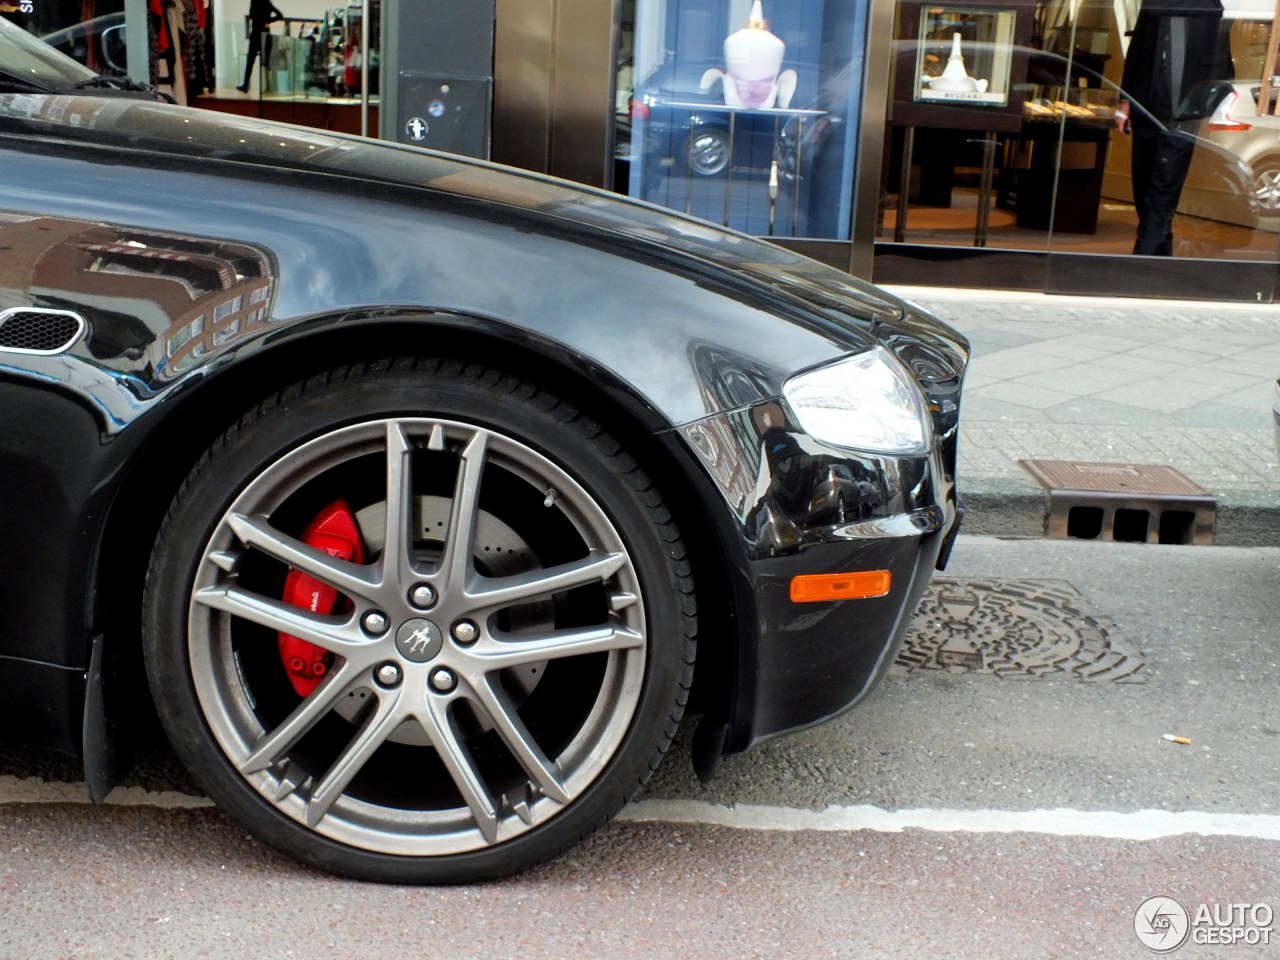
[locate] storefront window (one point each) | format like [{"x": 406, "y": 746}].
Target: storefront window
[
  {"x": 1008, "y": 128},
  {"x": 299, "y": 49},
  {"x": 744, "y": 112},
  {"x": 223, "y": 50},
  {"x": 89, "y": 31}
]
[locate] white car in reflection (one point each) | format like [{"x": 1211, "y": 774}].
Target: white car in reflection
[{"x": 1236, "y": 125}]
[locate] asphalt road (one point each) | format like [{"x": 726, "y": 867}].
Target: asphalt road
[{"x": 1004, "y": 807}]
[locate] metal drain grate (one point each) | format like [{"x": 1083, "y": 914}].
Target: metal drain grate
[
  {"x": 1131, "y": 502},
  {"x": 1015, "y": 628}
]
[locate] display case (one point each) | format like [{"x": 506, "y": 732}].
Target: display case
[
  {"x": 744, "y": 113},
  {"x": 962, "y": 66},
  {"x": 964, "y": 56}
]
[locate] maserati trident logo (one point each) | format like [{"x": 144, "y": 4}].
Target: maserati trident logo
[{"x": 419, "y": 640}]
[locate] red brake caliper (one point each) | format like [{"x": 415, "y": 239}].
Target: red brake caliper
[{"x": 335, "y": 532}]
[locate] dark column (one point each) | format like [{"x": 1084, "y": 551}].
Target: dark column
[{"x": 443, "y": 61}]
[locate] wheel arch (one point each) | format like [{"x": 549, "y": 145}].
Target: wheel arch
[
  {"x": 195, "y": 419},
  {"x": 1268, "y": 160}
]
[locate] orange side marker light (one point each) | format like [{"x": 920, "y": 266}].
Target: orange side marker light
[{"x": 840, "y": 586}]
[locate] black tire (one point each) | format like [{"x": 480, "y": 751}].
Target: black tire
[
  {"x": 706, "y": 151},
  {"x": 551, "y": 708}
]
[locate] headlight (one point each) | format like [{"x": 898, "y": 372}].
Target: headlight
[{"x": 865, "y": 402}]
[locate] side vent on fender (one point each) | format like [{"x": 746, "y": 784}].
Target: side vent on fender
[{"x": 33, "y": 330}]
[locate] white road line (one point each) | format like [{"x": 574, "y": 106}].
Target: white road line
[
  {"x": 34, "y": 790},
  {"x": 1142, "y": 825},
  {"x": 1103, "y": 824}
]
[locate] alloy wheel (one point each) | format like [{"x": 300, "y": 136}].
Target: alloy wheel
[{"x": 425, "y": 647}]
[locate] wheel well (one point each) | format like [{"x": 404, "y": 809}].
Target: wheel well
[{"x": 208, "y": 409}]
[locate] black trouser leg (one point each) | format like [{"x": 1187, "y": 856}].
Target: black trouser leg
[
  {"x": 1160, "y": 163},
  {"x": 255, "y": 47}
]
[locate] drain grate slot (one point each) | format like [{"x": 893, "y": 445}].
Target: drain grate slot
[{"x": 1123, "y": 502}]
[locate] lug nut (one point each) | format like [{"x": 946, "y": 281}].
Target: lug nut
[
  {"x": 443, "y": 680},
  {"x": 375, "y": 623},
  {"x": 465, "y": 632},
  {"x": 388, "y": 674},
  {"x": 422, "y": 596}
]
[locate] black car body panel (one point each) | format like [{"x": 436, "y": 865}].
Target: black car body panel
[{"x": 215, "y": 258}]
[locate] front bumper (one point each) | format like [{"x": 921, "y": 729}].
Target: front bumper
[
  {"x": 801, "y": 508},
  {"x": 813, "y": 661}
]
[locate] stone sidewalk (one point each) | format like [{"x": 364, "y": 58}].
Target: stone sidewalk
[{"x": 1184, "y": 384}]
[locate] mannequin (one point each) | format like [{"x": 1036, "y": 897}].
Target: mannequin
[{"x": 262, "y": 13}]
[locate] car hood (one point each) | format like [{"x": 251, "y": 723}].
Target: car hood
[{"x": 806, "y": 291}]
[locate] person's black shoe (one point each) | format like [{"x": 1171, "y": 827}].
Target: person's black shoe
[{"x": 244, "y": 89}]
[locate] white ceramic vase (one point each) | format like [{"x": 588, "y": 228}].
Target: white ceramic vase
[
  {"x": 753, "y": 77},
  {"x": 955, "y": 78}
]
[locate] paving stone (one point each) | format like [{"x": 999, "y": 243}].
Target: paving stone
[{"x": 1135, "y": 381}]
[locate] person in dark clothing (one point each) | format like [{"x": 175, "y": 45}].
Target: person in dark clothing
[
  {"x": 1176, "y": 44},
  {"x": 262, "y": 13}
]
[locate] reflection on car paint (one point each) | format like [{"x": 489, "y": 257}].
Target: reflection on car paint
[
  {"x": 789, "y": 491},
  {"x": 154, "y": 303}
]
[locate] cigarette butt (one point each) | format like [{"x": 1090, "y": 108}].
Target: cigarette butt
[{"x": 1172, "y": 739}]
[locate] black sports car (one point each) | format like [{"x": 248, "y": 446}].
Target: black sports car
[{"x": 417, "y": 494}]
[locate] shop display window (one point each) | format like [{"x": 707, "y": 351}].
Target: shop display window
[
  {"x": 312, "y": 52},
  {"x": 745, "y": 112},
  {"x": 1007, "y": 129}
]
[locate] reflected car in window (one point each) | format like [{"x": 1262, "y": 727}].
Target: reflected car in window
[
  {"x": 99, "y": 43},
  {"x": 1236, "y": 125},
  {"x": 416, "y": 496},
  {"x": 1218, "y": 186},
  {"x": 685, "y": 127}
]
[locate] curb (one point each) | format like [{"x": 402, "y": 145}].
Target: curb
[{"x": 1001, "y": 507}]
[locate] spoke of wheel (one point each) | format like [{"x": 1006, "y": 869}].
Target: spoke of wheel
[
  {"x": 462, "y": 516},
  {"x": 375, "y": 730},
  {"x": 500, "y": 655},
  {"x": 1268, "y": 189},
  {"x": 497, "y": 592},
  {"x": 348, "y": 578},
  {"x": 457, "y": 760},
  {"x": 397, "y": 533},
  {"x": 506, "y": 721},
  {"x": 324, "y": 698},
  {"x": 321, "y": 630}
]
